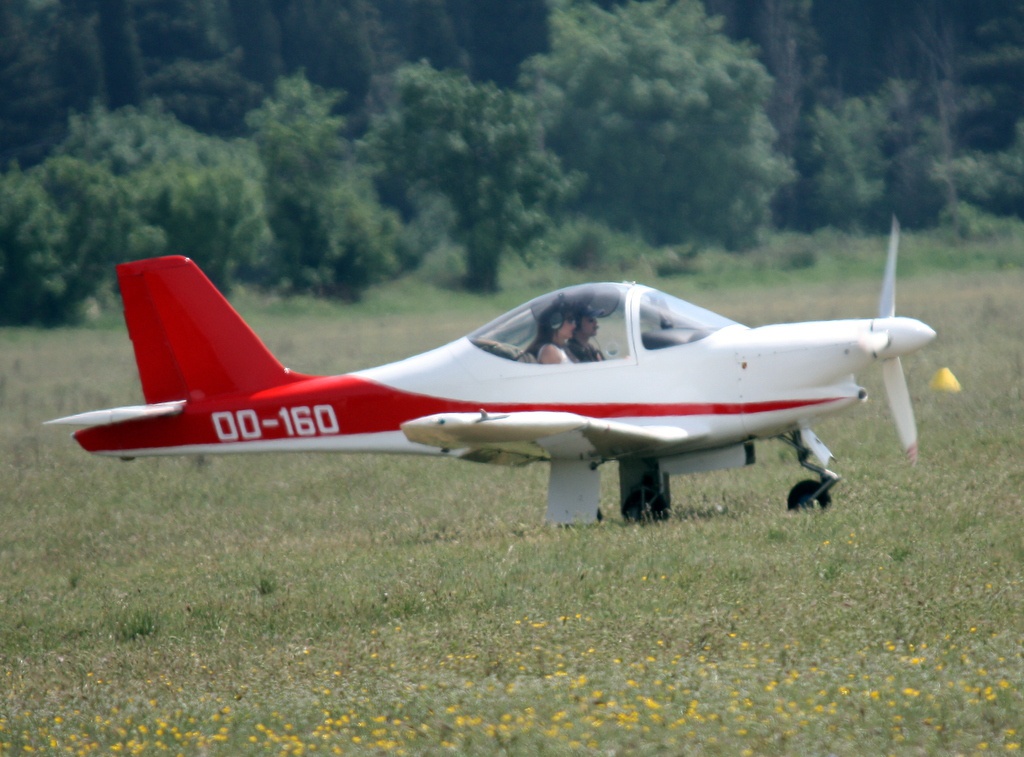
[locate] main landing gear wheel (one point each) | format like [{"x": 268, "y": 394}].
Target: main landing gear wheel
[
  {"x": 645, "y": 504},
  {"x": 806, "y": 493}
]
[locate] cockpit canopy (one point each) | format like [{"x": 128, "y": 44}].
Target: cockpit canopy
[
  {"x": 664, "y": 321},
  {"x": 667, "y": 321}
]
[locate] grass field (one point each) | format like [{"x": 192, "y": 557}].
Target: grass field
[{"x": 331, "y": 604}]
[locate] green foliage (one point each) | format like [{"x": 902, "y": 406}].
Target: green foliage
[
  {"x": 975, "y": 224},
  {"x": 33, "y": 282},
  {"x": 214, "y": 215},
  {"x": 28, "y": 98},
  {"x": 426, "y": 238},
  {"x": 479, "y": 147},
  {"x": 258, "y": 35},
  {"x": 78, "y": 58},
  {"x": 297, "y": 134},
  {"x": 361, "y": 242},
  {"x": 193, "y": 194},
  {"x": 994, "y": 181},
  {"x": 690, "y": 81},
  {"x": 665, "y": 116},
  {"x": 211, "y": 96},
  {"x": 332, "y": 43},
  {"x": 660, "y": 113},
  {"x": 67, "y": 222},
  {"x": 991, "y": 64},
  {"x": 102, "y": 223},
  {"x": 122, "y": 59},
  {"x": 496, "y": 53},
  {"x": 918, "y": 147},
  {"x": 131, "y": 139},
  {"x": 587, "y": 245},
  {"x": 847, "y": 144},
  {"x": 332, "y": 235},
  {"x": 870, "y": 157}
]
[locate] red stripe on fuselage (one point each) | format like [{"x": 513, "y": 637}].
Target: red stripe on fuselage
[{"x": 359, "y": 406}]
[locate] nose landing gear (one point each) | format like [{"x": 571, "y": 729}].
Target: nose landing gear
[{"x": 806, "y": 493}]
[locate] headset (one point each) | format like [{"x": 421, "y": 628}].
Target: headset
[{"x": 557, "y": 317}]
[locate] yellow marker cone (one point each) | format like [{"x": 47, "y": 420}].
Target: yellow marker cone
[{"x": 944, "y": 381}]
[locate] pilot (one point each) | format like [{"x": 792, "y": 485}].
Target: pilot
[
  {"x": 579, "y": 347},
  {"x": 554, "y": 331}
]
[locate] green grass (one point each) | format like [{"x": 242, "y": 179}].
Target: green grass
[{"x": 299, "y": 604}]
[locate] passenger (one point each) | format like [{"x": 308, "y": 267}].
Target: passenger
[
  {"x": 553, "y": 333},
  {"x": 579, "y": 347}
]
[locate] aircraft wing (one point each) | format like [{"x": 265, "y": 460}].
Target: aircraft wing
[{"x": 523, "y": 437}]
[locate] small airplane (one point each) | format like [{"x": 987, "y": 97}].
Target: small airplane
[{"x": 667, "y": 388}]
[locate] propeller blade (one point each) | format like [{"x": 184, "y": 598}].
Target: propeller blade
[
  {"x": 887, "y": 302},
  {"x": 899, "y": 403}
]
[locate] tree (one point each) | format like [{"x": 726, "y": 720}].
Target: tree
[
  {"x": 78, "y": 60},
  {"x": 210, "y": 96},
  {"x": 193, "y": 194},
  {"x": 333, "y": 42},
  {"x": 212, "y": 214},
  {"x": 495, "y": 51},
  {"x": 790, "y": 50},
  {"x": 193, "y": 67},
  {"x": 994, "y": 181},
  {"x": 849, "y": 183},
  {"x": 332, "y": 236},
  {"x": 427, "y": 32},
  {"x": 868, "y": 42},
  {"x": 29, "y": 96},
  {"x": 33, "y": 284},
  {"x": 992, "y": 70},
  {"x": 169, "y": 30},
  {"x": 480, "y": 148},
  {"x": 100, "y": 221},
  {"x": 132, "y": 139},
  {"x": 259, "y": 35},
  {"x": 122, "y": 61},
  {"x": 666, "y": 117},
  {"x": 63, "y": 226}
]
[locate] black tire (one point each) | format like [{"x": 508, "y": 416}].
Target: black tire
[
  {"x": 645, "y": 505},
  {"x": 801, "y": 496}
]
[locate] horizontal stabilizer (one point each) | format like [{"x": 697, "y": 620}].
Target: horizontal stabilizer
[{"x": 120, "y": 414}]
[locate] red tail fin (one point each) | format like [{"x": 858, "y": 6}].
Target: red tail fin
[{"x": 189, "y": 342}]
